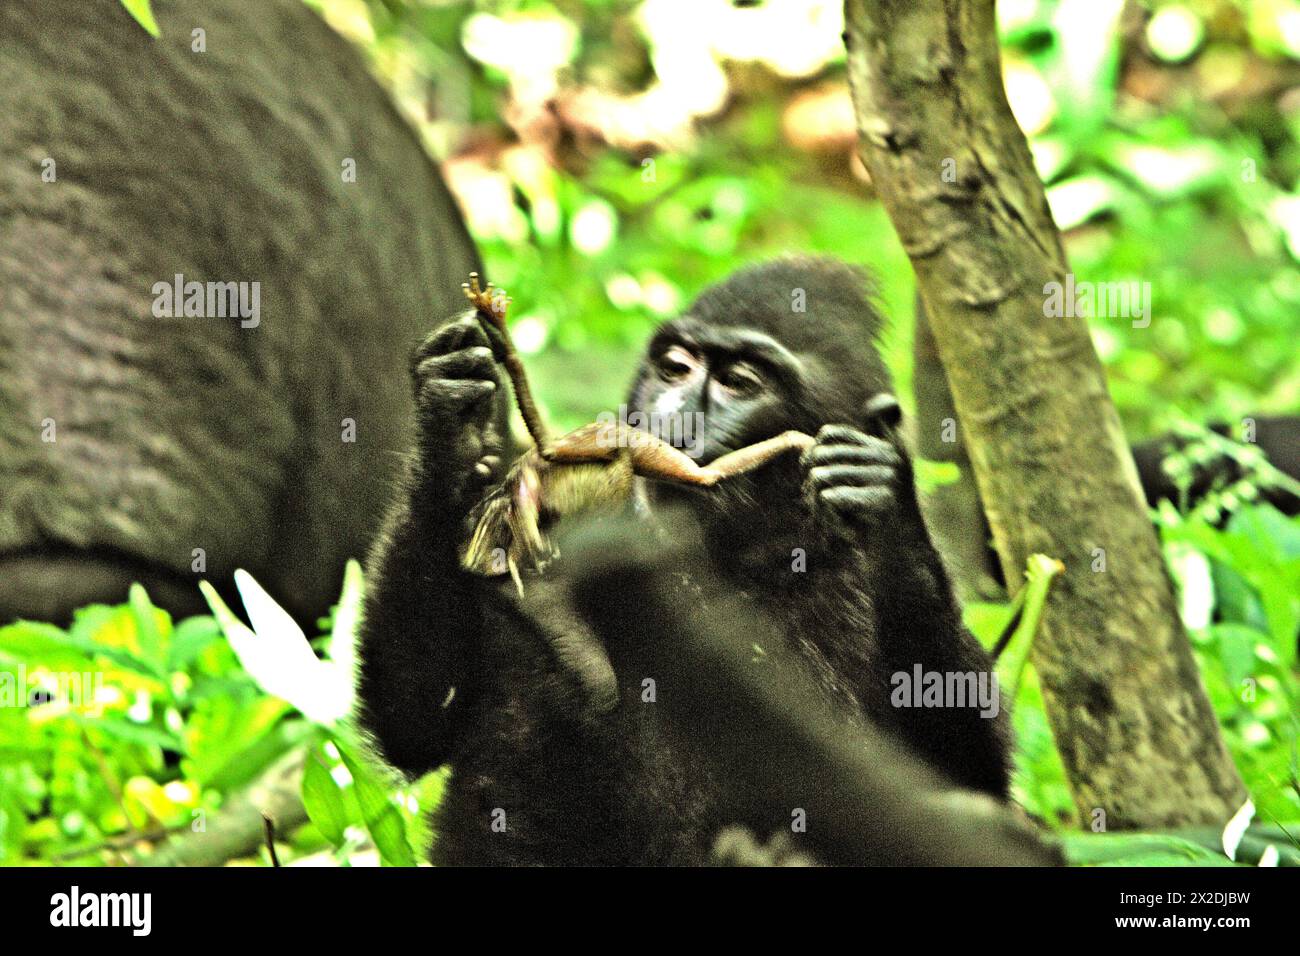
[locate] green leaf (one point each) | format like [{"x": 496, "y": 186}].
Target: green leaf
[
  {"x": 1256, "y": 839},
  {"x": 126, "y": 731},
  {"x": 148, "y": 634},
  {"x": 931, "y": 475},
  {"x": 75, "y": 650},
  {"x": 1237, "y": 651},
  {"x": 379, "y": 813},
  {"x": 223, "y": 734},
  {"x": 1137, "y": 849},
  {"x": 191, "y": 638},
  {"x": 986, "y": 619},
  {"x": 323, "y": 798},
  {"x": 140, "y": 10}
]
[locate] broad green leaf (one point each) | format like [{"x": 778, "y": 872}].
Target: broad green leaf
[
  {"x": 129, "y": 732},
  {"x": 46, "y": 644},
  {"x": 380, "y": 814},
  {"x": 1253, "y": 843},
  {"x": 220, "y": 732},
  {"x": 323, "y": 798},
  {"x": 1137, "y": 849},
  {"x": 191, "y": 638}
]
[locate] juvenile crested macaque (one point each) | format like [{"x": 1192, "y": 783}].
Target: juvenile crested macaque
[
  {"x": 590, "y": 468},
  {"x": 560, "y": 750}
]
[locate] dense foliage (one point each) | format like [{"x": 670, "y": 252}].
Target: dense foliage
[{"x": 1169, "y": 136}]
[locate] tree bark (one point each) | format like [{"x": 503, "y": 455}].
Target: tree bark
[
  {"x": 1135, "y": 729},
  {"x": 953, "y": 511}
]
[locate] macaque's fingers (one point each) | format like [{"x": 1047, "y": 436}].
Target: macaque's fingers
[
  {"x": 844, "y": 434},
  {"x": 472, "y": 363},
  {"x": 465, "y": 332},
  {"x": 868, "y": 504},
  {"x": 875, "y": 451},
  {"x": 859, "y": 479},
  {"x": 496, "y": 338},
  {"x": 850, "y": 476},
  {"x": 758, "y": 454},
  {"x": 455, "y": 394}
]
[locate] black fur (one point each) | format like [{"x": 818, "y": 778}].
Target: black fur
[
  {"x": 182, "y": 433},
  {"x": 1278, "y": 436},
  {"x": 519, "y": 695}
]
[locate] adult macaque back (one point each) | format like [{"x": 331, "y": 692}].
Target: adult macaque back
[{"x": 255, "y": 419}]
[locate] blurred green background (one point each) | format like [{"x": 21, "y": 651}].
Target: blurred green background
[{"x": 613, "y": 158}]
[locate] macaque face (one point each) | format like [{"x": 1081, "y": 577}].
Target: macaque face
[{"x": 711, "y": 390}]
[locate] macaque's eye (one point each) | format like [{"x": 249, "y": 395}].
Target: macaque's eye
[
  {"x": 741, "y": 378},
  {"x": 675, "y": 364}
]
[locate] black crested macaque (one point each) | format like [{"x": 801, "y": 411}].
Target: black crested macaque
[
  {"x": 557, "y": 757},
  {"x": 257, "y": 420}
]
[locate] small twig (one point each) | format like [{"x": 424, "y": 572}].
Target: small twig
[
  {"x": 268, "y": 827},
  {"x": 1030, "y": 602}
]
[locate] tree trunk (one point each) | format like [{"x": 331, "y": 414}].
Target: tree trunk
[
  {"x": 1137, "y": 734},
  {"x": 953, "y": 511}
]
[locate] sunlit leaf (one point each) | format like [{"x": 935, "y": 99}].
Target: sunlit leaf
[
  {"x": 143, "y": 14},
  {"x": 323, "y": 798},
  {"x": 380, "y": 814}
]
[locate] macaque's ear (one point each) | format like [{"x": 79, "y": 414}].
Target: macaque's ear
[{"x": 881, "y": 415}]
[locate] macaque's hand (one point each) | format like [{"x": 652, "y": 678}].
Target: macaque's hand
[
  {"x": 456, "y": 380},
  {"x": 858, "y": 481}
]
